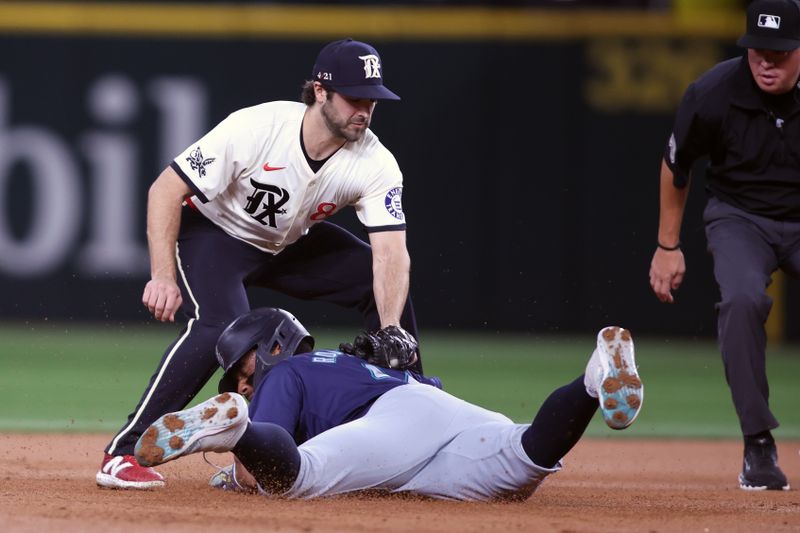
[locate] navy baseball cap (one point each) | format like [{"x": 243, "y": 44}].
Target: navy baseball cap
[
  {"x": 772, "y": 25},
  {"x": 352, "y": 68}
]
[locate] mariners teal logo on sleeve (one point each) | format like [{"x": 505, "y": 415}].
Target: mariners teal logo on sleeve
[
  {"x": 394, "y": 203},
  {"x": 197, "y": 162}
]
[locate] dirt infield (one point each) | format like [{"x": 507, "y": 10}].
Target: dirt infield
[{"x": 607, "y": 485}]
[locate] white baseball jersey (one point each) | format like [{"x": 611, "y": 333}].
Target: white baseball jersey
[{"x": 250, "y": 177}]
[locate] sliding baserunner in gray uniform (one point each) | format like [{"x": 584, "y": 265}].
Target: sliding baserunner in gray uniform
[{"x": 327, "y": 422}]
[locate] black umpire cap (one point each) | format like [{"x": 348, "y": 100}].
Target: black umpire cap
[{"x": 772, "y": 25}]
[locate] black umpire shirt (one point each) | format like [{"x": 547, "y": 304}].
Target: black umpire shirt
[{"x": 752, "y": 139}]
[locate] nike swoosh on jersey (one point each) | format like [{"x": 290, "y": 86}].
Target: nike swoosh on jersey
[{"x": 268, "y": 168}]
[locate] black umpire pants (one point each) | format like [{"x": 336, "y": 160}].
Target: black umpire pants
[
  {"x": 747, "y": 249},
  {"x": 328, "y": 264}
]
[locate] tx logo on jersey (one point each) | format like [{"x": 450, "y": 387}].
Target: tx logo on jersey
[
  {"x": 265, "y": 202},
  {"x": 197, "y": 162},
  {"x": 372, "y": 66}
]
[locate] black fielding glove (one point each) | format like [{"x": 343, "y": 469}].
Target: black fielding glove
[{"x": 390, "y": 347}]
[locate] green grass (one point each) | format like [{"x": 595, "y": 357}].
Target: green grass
[{"x": 57, "y": 377}]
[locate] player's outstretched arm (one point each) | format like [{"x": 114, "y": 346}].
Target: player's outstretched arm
[
  {"x": 668, "y": 265},
  {"x": 391, "y": 266},
  {"x": 162, "y": 296}
]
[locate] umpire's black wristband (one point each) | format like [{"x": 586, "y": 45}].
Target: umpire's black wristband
[{"x": 670, "y": 249}]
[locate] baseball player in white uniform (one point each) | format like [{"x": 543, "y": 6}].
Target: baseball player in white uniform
[
  {"x": 247, "y": 205},
  {"x": 277, "y": 183},
  {"x": 326, "y": 422}
]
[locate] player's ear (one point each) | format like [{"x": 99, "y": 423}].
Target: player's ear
[{"x": 320, "y": 92}]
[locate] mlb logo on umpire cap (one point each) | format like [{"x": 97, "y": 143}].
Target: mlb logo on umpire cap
[
  {"x": 769, "y": 21},
  {"x": 772, "y": 25},
  {"x": 352, "y": 68}
]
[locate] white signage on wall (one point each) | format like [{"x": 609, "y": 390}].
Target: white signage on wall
[{"x": 58, "y": 212}]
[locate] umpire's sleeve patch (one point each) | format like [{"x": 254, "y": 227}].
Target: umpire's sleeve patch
[{"x": 673, "y": 146}]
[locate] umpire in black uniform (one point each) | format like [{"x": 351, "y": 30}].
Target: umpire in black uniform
[{"x": 744, "y": 114}]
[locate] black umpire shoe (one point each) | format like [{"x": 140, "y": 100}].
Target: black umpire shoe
[{"x": 760, "y": 469}]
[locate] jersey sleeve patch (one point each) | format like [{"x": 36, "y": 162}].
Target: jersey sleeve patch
[
  {"x": 394, "y": 204},
  {"x": 198, "y": 162}
]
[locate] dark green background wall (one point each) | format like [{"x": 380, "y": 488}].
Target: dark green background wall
[{"x": 530, "y": 163}]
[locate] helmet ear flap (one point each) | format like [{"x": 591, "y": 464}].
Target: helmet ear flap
[{"x": 268, "y": 354}]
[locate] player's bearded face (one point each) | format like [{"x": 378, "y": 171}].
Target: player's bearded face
[
  {"x": 347, "y": 118},
  {"x": 775, "y": 72}
]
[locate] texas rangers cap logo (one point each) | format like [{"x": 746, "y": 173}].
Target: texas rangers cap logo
[{"x": 372, "y": 66}]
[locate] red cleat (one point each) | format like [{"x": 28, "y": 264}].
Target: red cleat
[{"x": 124, "y": 472}]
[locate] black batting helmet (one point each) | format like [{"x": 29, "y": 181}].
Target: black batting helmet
[{"x": 274, "y": 333}]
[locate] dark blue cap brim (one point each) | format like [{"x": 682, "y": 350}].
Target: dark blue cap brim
[{"x": 371, "y": 92}]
